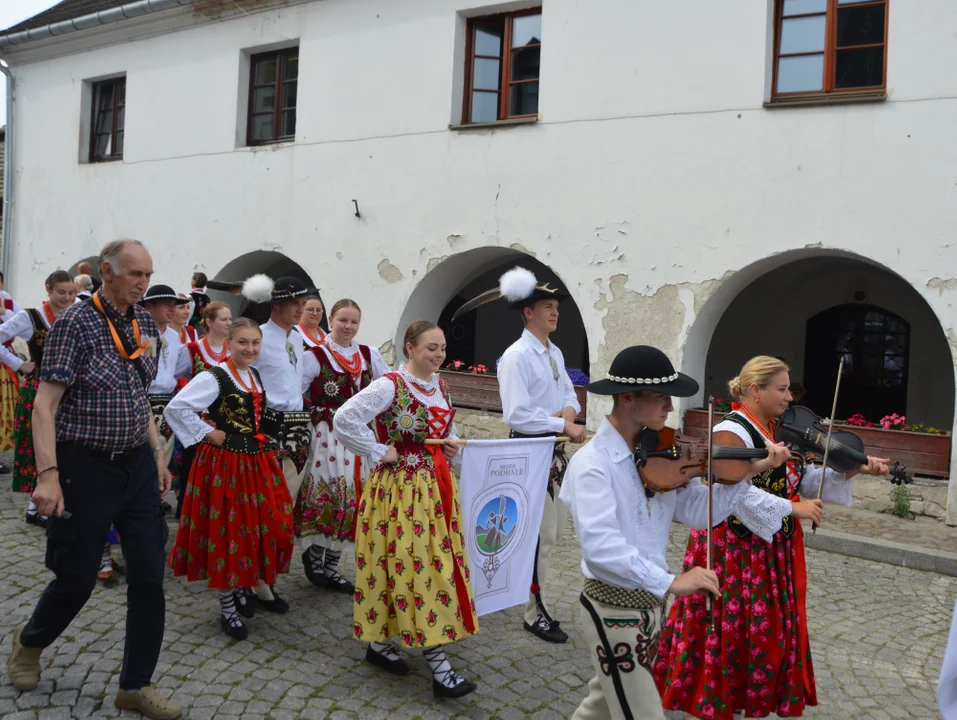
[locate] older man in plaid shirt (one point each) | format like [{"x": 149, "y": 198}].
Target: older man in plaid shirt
[{"x": 99, "y": 462}]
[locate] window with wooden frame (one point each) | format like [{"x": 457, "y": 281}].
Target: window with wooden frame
[
  {"x": 502, "y": 58},
  {"x": 273, "y": 80},
  {"x": 829, "y": 46},
  {"x": 109, "y": 120}
]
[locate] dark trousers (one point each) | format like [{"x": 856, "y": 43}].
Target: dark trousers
[{"x": 98, "y": 491}]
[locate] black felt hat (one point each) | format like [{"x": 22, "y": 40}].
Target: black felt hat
[
  {"x": 642, "y": 367},
  {"x": 262, "y": 289},
  {"x": 519, "y": 287},
  {"x": 163, "y": 292}
]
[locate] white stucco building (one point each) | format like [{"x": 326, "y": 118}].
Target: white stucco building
[{"x": 719, "y": 179}]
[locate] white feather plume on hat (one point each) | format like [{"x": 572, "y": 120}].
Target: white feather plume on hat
[
  {"x": 517, "y": 284},
  {"x": 258, "y": 288}
]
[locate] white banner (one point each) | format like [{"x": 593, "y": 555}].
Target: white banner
[{"x": 502, "y": 491}]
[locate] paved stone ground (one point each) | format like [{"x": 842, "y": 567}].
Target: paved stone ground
[
  {"x": 921, "y": 531},
  {"x": 878, "y": 634}
]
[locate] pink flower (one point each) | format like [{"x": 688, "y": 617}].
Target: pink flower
[
  {"x": 759, "y": 676},
  {"x": 784, "y": 708},
  {"x": 760, "y": 607}
]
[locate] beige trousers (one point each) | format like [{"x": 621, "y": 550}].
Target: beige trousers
[
  {"x": 554, "y": 517},
  {"x": 623, "y": 645}
]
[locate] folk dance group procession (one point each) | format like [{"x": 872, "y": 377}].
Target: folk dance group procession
[{"x": 279, "y": 434}]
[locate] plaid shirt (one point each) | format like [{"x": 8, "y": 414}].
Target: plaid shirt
[{"x": 105, "y": 405}]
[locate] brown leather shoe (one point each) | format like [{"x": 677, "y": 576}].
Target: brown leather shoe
[
  {"x": 107, "y": 577},
  {"x": 24, "y": 663},
  {"x": 149, "y": 702}
]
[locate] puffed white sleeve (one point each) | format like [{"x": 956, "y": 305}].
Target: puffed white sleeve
[
  {"x": 692, "y": 502},
  {"x": 182, "y": 412},
  {"x": 762, "y": 512},
  {"x": 18, "y": 326},
  {"x": 379, "y": 367},
  {"x": 837, "y": 488},
  {"x": 310, "y": 369},
  {"x": 183, "y": 362},
  {"x": 351, "y": 421}
]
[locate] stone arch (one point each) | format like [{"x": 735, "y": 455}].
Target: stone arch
[
  {"x": 268, "y": 262},
  {"x": 486, "y": 332},
  {"x": 735, "y": 324},
  {"x": 94, "y": 260}
]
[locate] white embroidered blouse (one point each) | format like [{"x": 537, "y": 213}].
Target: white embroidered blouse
[
  {"x": 311, "y": 369},
  {"x": 352, "y": 422},
  {"x": 182, "y": 413}
]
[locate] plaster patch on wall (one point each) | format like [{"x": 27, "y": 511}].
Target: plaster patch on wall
[
  {"x": 940, "y": 285},
  {"x": 434, "y": 261},
  {"x": 389, "y": 272},
  {"x": 522, "y": 249},
  {"x": 387, "y": 351},
  {"x": 453, "y": 239}
]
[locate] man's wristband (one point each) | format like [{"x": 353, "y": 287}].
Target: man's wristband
[
  {"x": 52, "y": 467},
  {"x": 158, "y": 449}
]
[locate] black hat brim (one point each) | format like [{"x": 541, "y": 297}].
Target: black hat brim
[
  {"x": 535, "y": 297},
  {"x": 682, "y": 386}
]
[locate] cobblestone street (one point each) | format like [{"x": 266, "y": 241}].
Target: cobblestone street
[{"x": 878, "y": 634}]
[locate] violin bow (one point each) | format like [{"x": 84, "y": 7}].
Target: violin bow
[
  {"x": 709, "y": 599},
  {"x": 827, "y": 442}
]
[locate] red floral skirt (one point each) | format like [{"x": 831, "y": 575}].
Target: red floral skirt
[
  {"x": 24, "y": 462},
  {"x": 758, "y": 658},
  {"x": 236, "y": 525}
]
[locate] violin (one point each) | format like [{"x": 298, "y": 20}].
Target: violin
[
  {"x": 667, "y": 460},
  {"x": 800, "y": 429}
]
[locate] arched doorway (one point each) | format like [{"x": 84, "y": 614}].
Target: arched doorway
[
  {"x": 779, "y": 310},
  {"x": 480, "y": 337},
  {"x": 94, "y": 260},
  {"x": 268, "y": 262},
  {"x": 875, "y": 346}
]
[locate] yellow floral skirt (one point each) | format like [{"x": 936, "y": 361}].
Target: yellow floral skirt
[
  {"x": 412, "y": 574},
  {"x": 9, "y": 393}
]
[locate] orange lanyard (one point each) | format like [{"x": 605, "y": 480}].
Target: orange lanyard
[{"x": 140, "y": 345}]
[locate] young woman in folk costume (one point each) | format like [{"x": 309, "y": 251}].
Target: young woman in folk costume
[
  {"x": 236, "y": 526},
  {"x": 204, "y": 354},
  {"x": 309, "y": 327},
  {"x": 32, "y": 325},
  {"x": 325, "y": 512},
  {"x": 758, "y": 660},
  {"x": 412, "y": 574},
  {"x": 180, "y": 322},
  {"x": 9, "y": 381}
]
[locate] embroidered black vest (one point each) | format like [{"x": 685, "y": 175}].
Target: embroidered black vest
[
  {"x": 37, "y": 341},
  {"x": 233, "y": 412},
  {"x": 774, "y": 481}
]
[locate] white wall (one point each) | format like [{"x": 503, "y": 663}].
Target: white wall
[{"x": 653, "y": 164}]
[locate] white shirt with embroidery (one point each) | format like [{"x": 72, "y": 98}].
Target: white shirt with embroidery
[
  {"x": 18, "y": 326},
  {"x": 311, "y": 368},
  {"x": 623, "y": 534},
  {"x": 182, "y": 413},
  {"x": 352, "y": 421},
  {"x": 173, "y": 363},
  {"x": 533, "y": 386},
  {"x": 280, "y": 366}
]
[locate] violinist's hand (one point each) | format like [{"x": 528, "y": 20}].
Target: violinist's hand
[
  {"x": 451, "y": 448},
  {"x": 778, "y": 454},
  {"x": 697, "y": 579},
  {"x": 874, "y": 466},
  {"x": 808, "y": 510},
  {"x": 391, "y": 456}
]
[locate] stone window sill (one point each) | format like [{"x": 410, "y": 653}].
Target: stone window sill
[
  {"x": 495, "y": 125},
  {"x": 832, "y": 98}
]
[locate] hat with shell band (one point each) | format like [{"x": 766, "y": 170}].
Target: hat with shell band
[
  {"x": 519, "y": 287},
  {"x": 642, "y": 367},
  {"x": 262, "y": 289},
  {"x": 162, "y": 292}
]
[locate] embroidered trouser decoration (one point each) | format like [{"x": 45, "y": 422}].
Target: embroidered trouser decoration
[
  {"x": 623, "y": 644},
  {"x": 158, "y": 404},
  {"x": 293, "y": 451}
]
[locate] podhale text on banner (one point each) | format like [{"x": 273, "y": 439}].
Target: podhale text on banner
[{"x": 502, "y": 491}]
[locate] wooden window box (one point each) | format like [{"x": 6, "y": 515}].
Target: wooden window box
[
  {"x": 480, "y": 392},
  {"x": 922, "y": 453}
]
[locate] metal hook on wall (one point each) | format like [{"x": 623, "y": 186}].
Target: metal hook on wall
[{"x": 356, "y": 203}]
